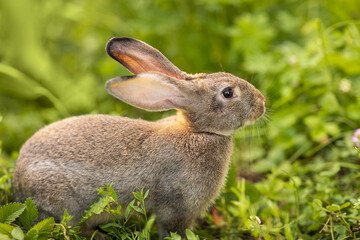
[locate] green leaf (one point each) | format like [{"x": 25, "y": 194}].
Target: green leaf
[
  {"x": 334, "y": 207},
  {"x": 44, "y": 227},
  {"x": 149, "y": 224},
  {"x": 340, "y": 229},
  {"x": 4, "y": 237},
  {"x": 17, "y": 233},
  {"x": 17, "y": 78},
  {"x": 96, "y": 208},
  {"x": 101, "y": 191},
  {"x": 252, "y": 192},
  {"x": 9, "y": 73},
  {"x": 29, "y": 215},
  {"x": 33, "y": 234},
  {"x": 111, "y": 224},
  {"x": 174, "y": 236},
  {"x": 146, "y": 194},
  {"x": 94, "y": 234},
  {"x": 349, "y": 65},
  {"x": 66, "y": 217},
  {"x": 111, "y": 192},
  {"x": 136, "y": 208},
  {"x": 6, "y": 229},
  {"x": 4, "y": 178},
  {"x": 137, "y": 196},
  {"x": 190, "y": 235},
  {"x": 329, "y": 102},
  {"x": 118, "y": 210},
  {"x": 10, "y": 212},
  {"x": 345, "y": 205},
  {"x": 317, "y": 204},
  {"x": 128, "y": 209}
]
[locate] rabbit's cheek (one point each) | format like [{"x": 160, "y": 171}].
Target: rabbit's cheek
[{"x": 216, "y": 105}]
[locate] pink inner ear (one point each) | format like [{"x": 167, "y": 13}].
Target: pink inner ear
[
  {"x": 130, "y": 63},
  {"x": 134, "y": 64}
]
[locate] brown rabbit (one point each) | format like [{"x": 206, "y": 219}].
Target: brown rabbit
[{"x": 183, "y": 160}]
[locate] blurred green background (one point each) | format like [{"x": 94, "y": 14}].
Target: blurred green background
[{"x": 303, "y": 55}]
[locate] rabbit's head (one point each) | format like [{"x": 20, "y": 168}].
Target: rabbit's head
[{"x": 215, "y": 102}]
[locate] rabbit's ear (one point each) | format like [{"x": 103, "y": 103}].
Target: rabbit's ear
[
  {"x": 139, "y": 57},
  {"x": 150, "y": 91}
]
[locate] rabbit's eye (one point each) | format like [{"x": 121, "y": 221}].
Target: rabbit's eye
[{"x": 228, "y": 92}]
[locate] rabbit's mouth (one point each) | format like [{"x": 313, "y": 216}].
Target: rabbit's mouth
[{"x": 258, "y": 111}]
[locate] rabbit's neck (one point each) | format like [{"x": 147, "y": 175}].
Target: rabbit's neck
[{"x": 182, "y": 119}]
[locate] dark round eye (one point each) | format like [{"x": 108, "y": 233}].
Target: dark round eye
[{"x": 227, "y": 92}]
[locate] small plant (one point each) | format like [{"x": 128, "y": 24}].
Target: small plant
[
  {"x": 16, "y": 222},
  {"x": 120, "y": 227},
  {"x": 17, "y": 219},
  {"x": 189, "y": 235}
]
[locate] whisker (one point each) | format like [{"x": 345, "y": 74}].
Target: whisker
[
  {"x": 250, "y": 145},
  {"x": 268, "y": 118},
  {"x": 257, "y": 129},
  {"x": 222, "y": 69},
  {"x": 262, "y": 124},
  {"x": 265, "y": 119},
  {"x": 252, "y": 77},
  {"x": 269, "y": 110}
]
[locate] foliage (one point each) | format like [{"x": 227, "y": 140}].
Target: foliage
[
  {"x": 121, "y": 228},
  {"x": 16, "y": 219},
  {"x": 300, "y": 166},
  {"x": 9, "y": 212},
  {"x": 26, "y": 213}
]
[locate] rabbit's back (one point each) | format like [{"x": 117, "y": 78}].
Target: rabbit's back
[{"x": 85, "y": 139}]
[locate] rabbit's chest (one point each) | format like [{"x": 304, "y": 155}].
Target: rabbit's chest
[{"x": 200, "y": 171}]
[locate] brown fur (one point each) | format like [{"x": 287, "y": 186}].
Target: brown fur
[{"x": 183, "y": 160}]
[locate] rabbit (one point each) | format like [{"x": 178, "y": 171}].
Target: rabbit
[{"x": 182, "y": 160}]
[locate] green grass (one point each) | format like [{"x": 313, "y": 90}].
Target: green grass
[{"x": 297, "y": 170}]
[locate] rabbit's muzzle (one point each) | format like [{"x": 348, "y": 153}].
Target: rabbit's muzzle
[{"x": 257, "y": 107}]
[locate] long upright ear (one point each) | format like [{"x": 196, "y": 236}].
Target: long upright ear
[
  {"x": 151, "y": 91},
  {"x": 139, "y": 57}
]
